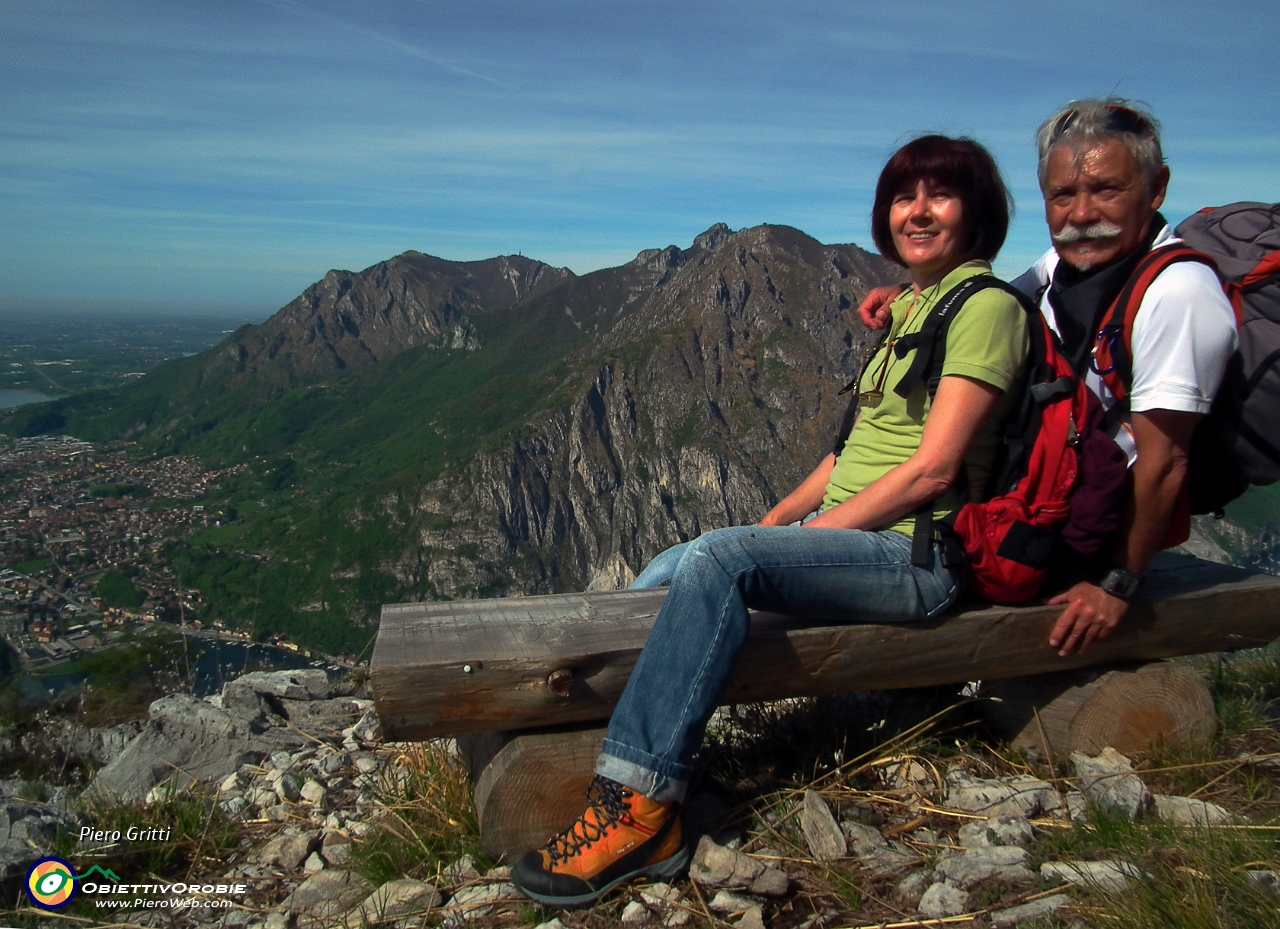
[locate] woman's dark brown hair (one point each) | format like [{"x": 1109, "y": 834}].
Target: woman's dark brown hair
[{"x": 965, "y": 167}]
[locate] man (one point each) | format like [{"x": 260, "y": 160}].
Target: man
[{"x": 1103, "y": 177}]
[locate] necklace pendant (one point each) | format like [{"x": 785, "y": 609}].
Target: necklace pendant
[{"x": 870, "y": 398}]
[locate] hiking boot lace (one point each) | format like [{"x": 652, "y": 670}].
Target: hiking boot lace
[{"x": 607, "y": 798}]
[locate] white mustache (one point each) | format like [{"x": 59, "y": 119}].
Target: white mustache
[{"x": 1099, "y": 230}]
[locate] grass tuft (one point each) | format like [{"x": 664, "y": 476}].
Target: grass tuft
[{"x": 425, "y": 818}]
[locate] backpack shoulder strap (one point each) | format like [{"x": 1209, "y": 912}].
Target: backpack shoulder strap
[
  {"x": 931, "y": 341},
  {"x": 1112, "y": 358}
]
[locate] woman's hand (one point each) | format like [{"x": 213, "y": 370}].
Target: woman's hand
[
  {"x": 804, "y": 499},
  {"x": 874, "y": 310}
]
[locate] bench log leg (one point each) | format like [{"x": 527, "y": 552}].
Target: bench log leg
[
  {"x": 1125, "y": 706},
  {"x": 529, "y": 785}
]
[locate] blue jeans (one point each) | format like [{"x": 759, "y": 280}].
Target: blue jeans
[{"x": 690, "y": 655}]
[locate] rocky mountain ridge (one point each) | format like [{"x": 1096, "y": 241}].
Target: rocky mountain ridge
[{"x": 426, "y": 428}]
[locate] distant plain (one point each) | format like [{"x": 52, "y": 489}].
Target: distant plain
[{"x": 56, "y": 353}]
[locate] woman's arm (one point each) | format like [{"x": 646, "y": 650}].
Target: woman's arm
[
  {"x": 804, "y": 499},
  {"x": 958, "y": 410}
]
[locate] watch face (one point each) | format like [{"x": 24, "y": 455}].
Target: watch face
[{"x": 1121, "y": 583}]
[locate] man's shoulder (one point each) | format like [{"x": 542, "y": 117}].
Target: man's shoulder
[{"x": 1191, "y": 279}]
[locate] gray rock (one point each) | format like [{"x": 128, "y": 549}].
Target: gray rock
[
  {"x": 28, "y": 829},
  {"x": 393, "y": 900},
  {"x": 335, "y": 847},
  {"x": 463, "y": 871},
  {"x": 368, "y": 729},
  {"x": 477, "y": 901},
  {"x": 365, "y": 762},
  {"x": 1264, "y": 879},
  {"x": 280, "y": 761},
  {"x": 184, "y": 734},
  {"x": 327, "y": 895},
  {"x": 331, "y": 762},
  {"x": 313, "y": 863},
  {"x": 551, "y": 924},
  {"x": 303, "y": 684},
  {"x": 235, "y": 919},
  {"x": 911, "y": 887},
  {"x": 635, "y": 914},
  {"x": 975, "y": 865},
  {"x": 287, "y": 789},
  {"x": 771, "y": 882},
  {"x": 279, "y": 920},
  {"x": 727, "y": 903},
  {"x": 717, "y": 866},
  {"x": 1077, "y": 805},
  {"x": 1036, "y": 909},
  {"x": 1112, "y": 876},
  {"x": 1021, "y": 795},
  {"x": 1002, "y": 830},
  {"x": 753, "y": 918},
  {"x": 288, "y": 850},
  {"x": 1109, "y": 783},
  {"x": 821, "y": 831},
  {"x": 862, "y": 840},
  {"x": 660, "y": 895},
  {"x": 942, "y": 900},
  {"x": 1189, "y": 812},
  {"x": 314, "y": 793}
]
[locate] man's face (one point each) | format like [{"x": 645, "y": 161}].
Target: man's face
[{"x": 1097, "y": 203}]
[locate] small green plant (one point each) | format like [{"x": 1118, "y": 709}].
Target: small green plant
[{"x": 427, "y": 820}]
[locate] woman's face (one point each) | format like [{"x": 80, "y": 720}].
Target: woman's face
[{"x": 927, "y": 223}]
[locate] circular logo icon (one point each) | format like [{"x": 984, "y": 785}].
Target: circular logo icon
[{"x": 51, "y": 883}]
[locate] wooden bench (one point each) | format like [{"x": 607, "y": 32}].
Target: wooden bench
[{"x": 525, "y": 683}]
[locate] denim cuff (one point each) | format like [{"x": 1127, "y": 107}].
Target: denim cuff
[{"x": 638, "y": 776}]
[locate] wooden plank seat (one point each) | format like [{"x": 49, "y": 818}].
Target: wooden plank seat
[{"x": 537, "y": 664}]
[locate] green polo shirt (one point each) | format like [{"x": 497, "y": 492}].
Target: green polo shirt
[{"x": 987, "y": 341}]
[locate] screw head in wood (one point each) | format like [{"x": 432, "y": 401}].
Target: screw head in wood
[
  {"x": 560, "y": 682},
  {"x": 467, "y": 669}
]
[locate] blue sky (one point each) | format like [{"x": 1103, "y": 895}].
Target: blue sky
[{"x": 231, "y": 151}]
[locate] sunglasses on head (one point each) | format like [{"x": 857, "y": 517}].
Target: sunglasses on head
[{"x": 1119, "y": 119}]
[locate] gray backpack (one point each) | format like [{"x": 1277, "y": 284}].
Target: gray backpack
[{"x": 1238, "y": 443}]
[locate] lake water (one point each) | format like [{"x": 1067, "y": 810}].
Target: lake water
[
  {"x": 11, "y": 398},
  {"x": 209, "y": 663}
]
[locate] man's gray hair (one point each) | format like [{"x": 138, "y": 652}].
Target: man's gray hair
[{"x": 1081, "y": 124}]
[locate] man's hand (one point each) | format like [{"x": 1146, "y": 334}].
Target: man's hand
[
  {"x": 1091, "y": 614},
  {"x": 874, "y": 310}
]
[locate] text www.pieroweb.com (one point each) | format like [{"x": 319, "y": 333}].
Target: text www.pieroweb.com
[
  {"x": 172, "y": 903},
  {"x": 161, "y": 896}
]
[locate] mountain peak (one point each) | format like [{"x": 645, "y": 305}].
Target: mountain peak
[{"x": 713, "y": 238}]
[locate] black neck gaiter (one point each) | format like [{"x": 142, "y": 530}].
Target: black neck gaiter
[{"x": 1079, "y": 298}]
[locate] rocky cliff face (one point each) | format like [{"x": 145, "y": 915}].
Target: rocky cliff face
[
  {"x": 709, "y": 393},
  {"x": 353, "y": 320}
]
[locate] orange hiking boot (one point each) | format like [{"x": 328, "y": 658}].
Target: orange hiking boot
[{"x": 623, "y": 836}]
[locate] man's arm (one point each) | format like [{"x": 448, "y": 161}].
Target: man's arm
[{"x": 1163, "y": 441}]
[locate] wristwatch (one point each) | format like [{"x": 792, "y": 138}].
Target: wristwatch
[{"x": 1121, "y": 583}]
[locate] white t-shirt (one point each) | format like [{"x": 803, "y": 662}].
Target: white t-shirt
[{"x": 1183, "y": 335}]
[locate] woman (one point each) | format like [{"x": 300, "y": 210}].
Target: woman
[{"x": 941, "y": 211}]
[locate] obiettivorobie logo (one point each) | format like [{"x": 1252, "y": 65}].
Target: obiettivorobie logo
[{"x": 51, "y": 882}]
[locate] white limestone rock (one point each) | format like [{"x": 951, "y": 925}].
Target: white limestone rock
[
  {"x": 942, "y": 900},
  {"x": 1108, "y": 781}
]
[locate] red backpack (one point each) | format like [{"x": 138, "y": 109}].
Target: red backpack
[{"x": 1057, "y": 475}]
